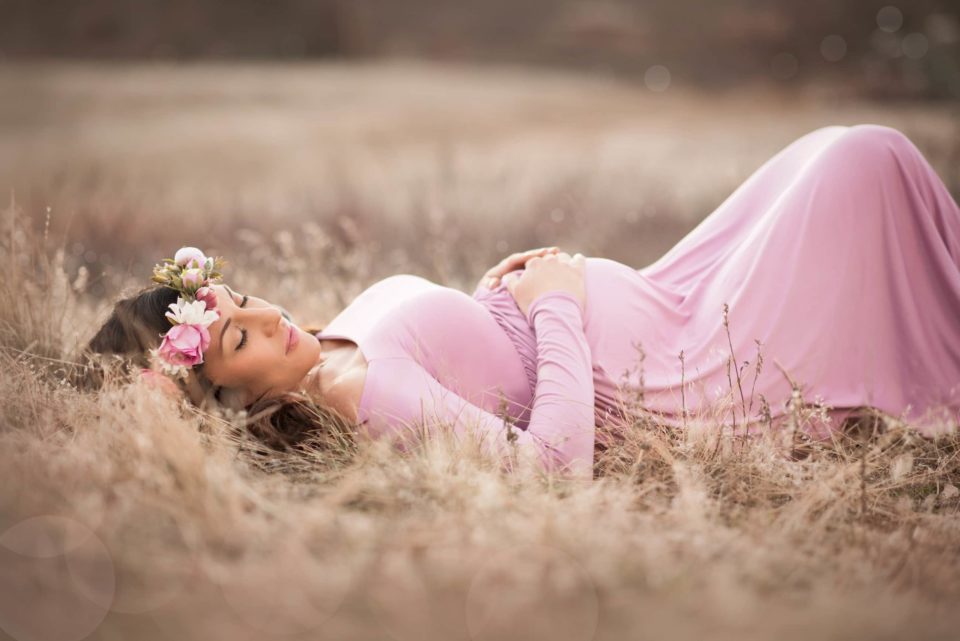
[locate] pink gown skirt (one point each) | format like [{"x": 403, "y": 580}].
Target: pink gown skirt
[{"x": 841, "y": 255}]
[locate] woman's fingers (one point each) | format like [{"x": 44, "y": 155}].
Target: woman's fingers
[
  {"x": 547, "y": 273},
  {"x": 514, "y": 262},
  {"x": 518, "y": 260},
  {"x": 511, "y": 284}
]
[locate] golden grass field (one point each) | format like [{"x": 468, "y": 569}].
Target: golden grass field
[{"x": 126, "y": 516}]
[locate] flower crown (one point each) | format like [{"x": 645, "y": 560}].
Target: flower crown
[{"x": 190, "y": 273}]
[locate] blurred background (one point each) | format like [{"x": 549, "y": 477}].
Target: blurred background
[
  {"x": 906, "y": 50},
  {"x": 435, "y": 137}
]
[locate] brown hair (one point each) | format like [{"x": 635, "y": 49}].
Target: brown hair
[{"x": 136, "y": 325}]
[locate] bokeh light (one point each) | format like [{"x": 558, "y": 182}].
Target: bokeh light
[
  {"x": 915, "y": 45},
  {"x": 889, "y": 18},
  {"x": 657, "y": 78},
  {"x": 833, "y": 48},
  {"x": 784, "y": 65}
]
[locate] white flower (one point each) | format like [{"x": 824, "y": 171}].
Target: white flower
[{"x": 192, "y": 313}]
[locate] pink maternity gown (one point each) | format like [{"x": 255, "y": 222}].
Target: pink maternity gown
[{"x": 841, "y": 255}]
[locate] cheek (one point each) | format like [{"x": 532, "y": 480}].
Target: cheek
[
  {"x": 241, "y": 369},
  {"x": 264, "y": 364}
]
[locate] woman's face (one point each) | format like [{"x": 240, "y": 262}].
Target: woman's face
[{"x": 252, "y": 351}]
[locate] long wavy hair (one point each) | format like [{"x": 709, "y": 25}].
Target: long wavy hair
[{"x": 290, "y": 421}]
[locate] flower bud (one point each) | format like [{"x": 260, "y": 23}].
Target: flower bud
[
  {"x": 192, "y": 280},
  {"x": 190, "y": 257},
  {"x": 208, "y": 296}
]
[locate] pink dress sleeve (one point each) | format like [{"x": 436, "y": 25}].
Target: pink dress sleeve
[{"x": 560, "y": 434}]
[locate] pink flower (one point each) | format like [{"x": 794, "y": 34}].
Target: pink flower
[
  {"x": 189, "y": 257},
  {"x": 208, "y": 296},
  {"x": 192, "y": 279},
  {"x": 185, "y": 344}
]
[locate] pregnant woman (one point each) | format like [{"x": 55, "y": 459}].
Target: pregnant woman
[{"x": 840, "y": 256}]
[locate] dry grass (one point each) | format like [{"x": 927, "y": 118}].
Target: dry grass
[{"x": 133, "y": 517}]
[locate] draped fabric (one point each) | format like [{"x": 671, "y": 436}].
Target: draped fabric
[{"x": 838, "y": 259}]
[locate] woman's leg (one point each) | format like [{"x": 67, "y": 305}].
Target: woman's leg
[
  {"x": 842, "y": 256},
  {"x": 730, "y": 223}
]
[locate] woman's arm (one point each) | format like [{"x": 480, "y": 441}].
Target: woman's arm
[{"x": 561, "y": 430}]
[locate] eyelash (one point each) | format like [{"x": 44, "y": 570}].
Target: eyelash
[{"x": 243, "y": 332}]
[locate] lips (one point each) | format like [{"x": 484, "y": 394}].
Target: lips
[{"x": 292, "y": 338}]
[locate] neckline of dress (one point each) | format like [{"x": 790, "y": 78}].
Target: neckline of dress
[{"x": 361, "y": 406}]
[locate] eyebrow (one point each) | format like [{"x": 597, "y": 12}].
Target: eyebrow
[{"x": 223, "y": 330}]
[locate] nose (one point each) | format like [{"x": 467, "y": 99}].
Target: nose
[{"x": 269, "y": 318}]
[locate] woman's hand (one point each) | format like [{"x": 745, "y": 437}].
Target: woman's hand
[
  {"x": 512, "y": 262},
  {"x": 551, "y": 272}
]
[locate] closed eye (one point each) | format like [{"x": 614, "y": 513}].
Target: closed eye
[{"x": 243, "y": 332}]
